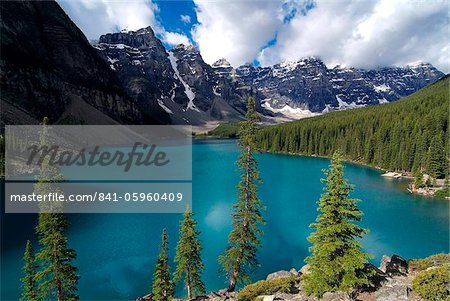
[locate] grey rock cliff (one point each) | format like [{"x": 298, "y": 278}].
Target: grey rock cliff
[
  {"x": 50, "y": 69},
  {"x": 219, "y": 91}
]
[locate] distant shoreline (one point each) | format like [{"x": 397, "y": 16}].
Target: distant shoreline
[{"x": 385, "y": 173}]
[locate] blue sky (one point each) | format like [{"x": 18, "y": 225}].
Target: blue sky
[
  {"x": 170, "y": 13},
  {"x": 355, "y": 33}
]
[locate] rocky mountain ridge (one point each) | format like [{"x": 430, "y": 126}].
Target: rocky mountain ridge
[
  {"x": 174, "y": 86},
  {"x": 308, "y": 84},
  {"x": 50, "y": 69},
  {"x": 290, "y": 90}
]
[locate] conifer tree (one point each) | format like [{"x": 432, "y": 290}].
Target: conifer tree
[
  {"x": 418, "y": 179},
  {"x": 57, "y": 276},
  {"x": 162, "y": 287},
  {"x": 436, "y": 159},
  {"x": 29, "y": 286},
  {"x": 397, "y": 136},
  {"x": 188, "y": 258},
  {"x": 239, "y": 259},
  {"x": 336, "y": 261}
]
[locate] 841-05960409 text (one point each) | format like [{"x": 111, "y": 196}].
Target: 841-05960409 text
[{"x": 100, "y": 197}]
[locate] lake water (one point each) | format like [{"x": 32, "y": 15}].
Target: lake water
[{"x": 117, "y": 252}]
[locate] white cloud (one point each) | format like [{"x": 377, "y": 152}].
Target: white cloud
[
  {"x": 185, "y": 19},
  {"x": 97, "y": 17},
  {"x": 174, "y": 38},
  {"x": 234, "y": 30},
  {"x": 356, "y": 33},
  {"x": 367, "y": 34}
]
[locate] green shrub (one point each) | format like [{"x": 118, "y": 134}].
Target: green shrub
[
  {"x": 268, "y": 287},
  {"x": 416, "y": 265},
  {"x": 433, "y": 284},
  {"x": 443, "y": 193}
]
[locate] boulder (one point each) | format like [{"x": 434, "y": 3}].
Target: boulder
[
  {"x": 376, "y": 280},
  {"x": 222, "y": 295},
  {"x": 337, "y": 296},
  {"x": 294, "y": 272},
  {"x": 222, "y": 292},
  {"x": 200, "y": 298},
  {"x": 281, "y": 274},
  {"x": 147, "y": 297},
  {"x": 268, "y": 298},
  {"x": 393, "y": 292},
  {"x": 394, "y": 266},
  {"x": 305, "y": 269},
  {"x": 283, "y": 297}
]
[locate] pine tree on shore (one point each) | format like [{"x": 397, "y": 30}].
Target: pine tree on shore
[
  {"x": 436, "y": 158},
  {"x": 57, "y": 276},
  {"x": 336, "y": 261},
  {"x": 162, "y": 286},
  {"x": 239, "y": 260},
  {"x": 395, "y": 136},
  {"x": 188, "y": 258},
  {"x": 29, "y": 286}
]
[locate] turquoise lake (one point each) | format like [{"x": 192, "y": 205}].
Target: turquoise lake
[{"x": 116, "y": 252}]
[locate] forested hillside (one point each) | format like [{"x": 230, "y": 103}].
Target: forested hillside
[{"x": 408, "y": 135}]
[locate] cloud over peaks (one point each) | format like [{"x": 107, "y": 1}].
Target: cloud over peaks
[
  {"x": 366, "y": 34},
  {"x": 97, "y": 17},
  {"x": 235, "y": 30}
]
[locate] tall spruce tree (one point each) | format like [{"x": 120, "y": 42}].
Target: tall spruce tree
[
  {"x": 162, "y": 286},
  {"x": 239, "y": 259},
  {"x": 336, "y": 261},
  {"x": 188, "y": 258},
  {"x": 57, "y": 276},
  {"x": 29, "y": 286},
  {"x": 436, "y": 158}
]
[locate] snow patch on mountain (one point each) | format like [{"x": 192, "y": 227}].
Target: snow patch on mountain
[
  {"x": 342, "y": 104},
  {"x": 382, "y": 88},
  {"x": 291, "y": 66},
  {"x": 222, "y": 63},
  {"x": 288, "y": 111},
  {"x": 345, "y": 106},
  {"x": 111, "y": 63},
  {"x": 165, "y": 108},
  {"x": 327, "y": 109},
  {"x": 187, "y": 90}
]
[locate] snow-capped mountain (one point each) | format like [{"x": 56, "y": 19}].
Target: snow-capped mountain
[
  {"x": 174, "y": 86},
  {"x": 308, "y": 85},
  {"x": 129, "y": 77},
  {"x": 177, "y": 86}
]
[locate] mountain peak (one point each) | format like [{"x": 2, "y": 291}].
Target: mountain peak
[
  {"x": 189, "y": 48},
  {"x": 419, "y": 65},
  {"x": 221, "y": 63},
  {"x": 141, "y": 31},
  {"x": 304, "y": 62},
  {"x": 144, "y": 37}
]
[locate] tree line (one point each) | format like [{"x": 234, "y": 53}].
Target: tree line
[
  {"x": 337, "y": 261},
  {"x": 410, "y": 135}
]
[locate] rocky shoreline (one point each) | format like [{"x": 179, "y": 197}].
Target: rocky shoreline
[{"x": 392, "y": 282}]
